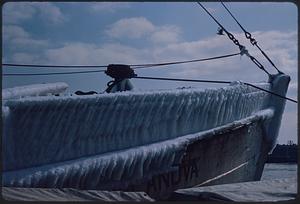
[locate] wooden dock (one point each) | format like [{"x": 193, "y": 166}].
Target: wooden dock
[{"x": 260, "y": 191}]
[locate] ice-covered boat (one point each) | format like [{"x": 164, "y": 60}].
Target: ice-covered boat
[{"x": 153, "y": 141}]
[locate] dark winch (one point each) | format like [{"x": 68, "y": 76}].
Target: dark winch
[{"x": 121, "y": 74}]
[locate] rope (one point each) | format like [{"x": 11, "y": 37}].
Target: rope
[
  {"x": 236, "y": 42},
  {"x": 183, "y": 62},
  {"x": 137, "y": 66},
  {"x": 168, "y": 79},
  {"x": 51, "y": 73},
  {"x": 270, "y": 92},
  {"x": 189, "y": 80},
  {"x": 252, "y": 40},
  {"x": 234, "y": 18},
  {"x": 48, "y": 66},
  {"x": 216, "y": 81}
]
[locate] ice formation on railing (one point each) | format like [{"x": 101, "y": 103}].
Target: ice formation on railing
[
  {"x": 34, "y": 90},
  {"x": 95, "y": 171},
  {"x": 50, "y": 129},
  {"x": 120, "y": 168}
]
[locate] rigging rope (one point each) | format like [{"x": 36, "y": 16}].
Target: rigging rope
[
  {"x": 236, "y": 42},
  {"x": 183, "y": 62},
  {"x": 136, "y": 66},
  {"x": 189, "y": 80},
  {"x": 215, "y": 81},
  {"x": 52, "y": 73},
  {"x": 270, "y": 92},
  {"x": 252, "y": 40},
  {"x": 167, "y": 79},
  {"x": 51, "y": 66}
]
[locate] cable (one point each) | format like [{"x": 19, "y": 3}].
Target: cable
[
  {"x": 137, "y": 66},
  {"x": 189, "y": 80},
  {"x": 140, "y": 66},
  {"x": 183, "y": 62},
  {"x": 252, "y": 40},
  {"x": 48, "y": 66},
  {"x": 216, "y": 81},
  {"x": 235, "y": 19},
  {"x": 236, "y": 42},
  {"x": 160, "y": 78},
  {"x": 51, "y": 73},
  {"x": 270, "y": 92}
]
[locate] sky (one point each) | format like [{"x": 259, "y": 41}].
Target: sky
[{"x": 102, "y": 33}]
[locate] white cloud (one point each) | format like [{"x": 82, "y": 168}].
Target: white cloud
[
  {"x": 166, "y": 34},
  {"x": 76, "y": 53},
  {"x": 273, "y": 39},
  {"x": 280, "y": 46},
  {"x": 203, "y": 48},
  {"x": 140, "y": 27},
  {"x": 282, "y": 52},
  {"x": 29, "y": 43},
  {"x": 89, "y": 54},
  {"x": 18, "y": 12},
  {"x": 16, "y": 37},
  {"x": 86, "y": 54},
  {"x": 130, "y": 28},
  {"x": 24, "y": 58},
  {"x": 235, "y": 68},
  {"x": 108, "y": 6},
  {"x": 11, "y": 31},
  {"x": 50, "y": 12}
]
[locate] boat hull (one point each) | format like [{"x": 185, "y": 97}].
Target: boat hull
[
  {"x": 232, "y": 156},
  {"x": 186, "y": 138},
  {"x": 235, "y": 152}
]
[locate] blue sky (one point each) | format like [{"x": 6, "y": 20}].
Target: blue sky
[{"x": 98, "y": 33}]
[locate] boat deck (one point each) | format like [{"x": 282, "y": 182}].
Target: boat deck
[{"x": 260, "y": 191}]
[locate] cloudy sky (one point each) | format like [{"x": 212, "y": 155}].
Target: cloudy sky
[{"x": 97, "y": 33}]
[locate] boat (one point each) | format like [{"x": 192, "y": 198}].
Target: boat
[
  {"x": 154, "y": 141},
  {"x": 151, "y": 141}
]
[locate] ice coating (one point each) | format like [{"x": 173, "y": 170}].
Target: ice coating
[
  {"x": 34, "y": 90},
  {"x": 51, "y": 129},
  {"x": 279, "y": 85},
  {"x": 118, "y": 169}
]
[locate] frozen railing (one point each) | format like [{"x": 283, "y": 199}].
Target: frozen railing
[
  {"x": 49, "y": 129},
  {"x": 34, "y": 90},
  {"x": 120, "y": 168}
]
